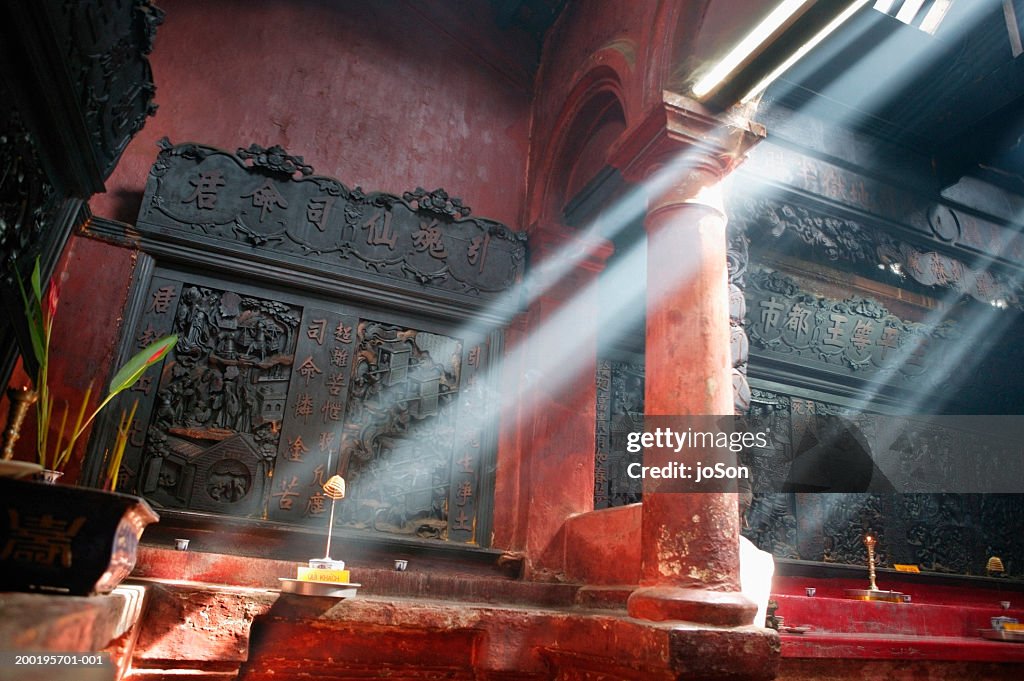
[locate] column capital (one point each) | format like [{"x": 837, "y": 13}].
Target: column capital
[{"x": 681, "y": 131}]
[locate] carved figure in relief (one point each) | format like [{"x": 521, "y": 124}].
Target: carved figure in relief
[
  {"x": 257, "y": 343},
  {"x": 194, "y": 320},
  {"x": 223, "y": 396},
  {"x": 232, "y": 408}
]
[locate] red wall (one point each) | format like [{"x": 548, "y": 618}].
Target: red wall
[
  {"x": 94, "y": 278},
  {"x": 380, "y": 94},
  {"x": 387, "y": 95}
]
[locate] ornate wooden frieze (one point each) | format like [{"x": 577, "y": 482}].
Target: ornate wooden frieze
[
  {"x": 620, "y": 411},
  {"x": 265, "y": 397},
  {"x": 267, "y": 202},
  {"x": 798, "y": 229},
  {"x": 852, "y": 337},
  {"x": 779, "y": 170},
  {"x": 940, "y": 531}
]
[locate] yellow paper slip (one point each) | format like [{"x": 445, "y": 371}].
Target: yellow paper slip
[
  {"x": 307, "y": 574},
  {"x": 906, "y": 568}
]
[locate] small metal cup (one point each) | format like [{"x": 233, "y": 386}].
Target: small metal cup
[
  {"x": 181, "y": 544},
  {"x": 400, "y": 565},
  {"x": 810, "y": 591}
]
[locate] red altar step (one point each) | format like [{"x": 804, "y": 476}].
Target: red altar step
[{"x": 940, "y": 622}]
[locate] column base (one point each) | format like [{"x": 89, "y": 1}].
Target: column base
[{"x": 660, "y": 603}]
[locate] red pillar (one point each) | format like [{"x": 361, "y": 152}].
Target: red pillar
[{"x": 690, "y": 549}]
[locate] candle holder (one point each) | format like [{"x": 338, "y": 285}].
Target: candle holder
[
  {"x": 324, "y": 576},
  {"x": 20, "y": 401},
  {"x": 869, "y": 542},
  {"x": 873, "y": 593}
]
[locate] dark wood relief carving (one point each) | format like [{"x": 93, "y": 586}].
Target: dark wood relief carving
[
  {"x": 290, "y": 369},
  {"x": 855, "y": 337},
  {"x": 802, "y": 230},
  {"x": 940, "y": 532},
  {"x": 400, "y": 434},
  {"x": 215, "y": 420},
  {"x": 267, "y": 201},
  {"x": 620, "y": 410},
  {"x": 770, "y": 522},
  {"x": 263, "y": 399},
  {"x": 75, "y": 86},
  {"x": 737, "y": 259},
  {"x": 34, "y": 221},
  {"x": 26, "y": 193},
  {"x": 794, "y": 172},
  {"x": 106, "y": 57}
]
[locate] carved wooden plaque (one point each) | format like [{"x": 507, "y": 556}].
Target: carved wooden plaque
[
  {"x": 321, "y": 330},
  {"x": 856, "y": 337},
  {"x": 265, "y": 396},
  {"x": 265, "y": 201},
  {"x": 940, "y": 531},
  {"x": 620, "y": 411}
]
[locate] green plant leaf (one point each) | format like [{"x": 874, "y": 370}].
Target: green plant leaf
[
  {"x": 36, "y": 332},
  {"x": 137, "y": 365},
  {"x": 37, "y": 285},
  {"x": 34, "y": 316}
]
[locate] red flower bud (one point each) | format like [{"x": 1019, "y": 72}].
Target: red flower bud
[{"x": 52, "y": 298}]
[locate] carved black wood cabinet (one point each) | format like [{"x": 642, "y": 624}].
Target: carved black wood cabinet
[
  {"x": 322, "y": 329},
  {"x": 75, "y": 87}
]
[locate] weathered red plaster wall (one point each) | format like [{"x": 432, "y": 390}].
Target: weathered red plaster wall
[
  {"x": 373, "y": 93},
  {"x": 603, "y": 547},
  {"x": 94, "y": 278},
  {"x": 606, "y": 38},
  {"x": 552, "y": 436}
]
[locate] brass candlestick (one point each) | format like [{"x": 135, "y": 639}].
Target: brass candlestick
[
  {"x": 870, "y": 541},
  {"x": 20, "y": 400},
  {"x": 873, "y": 593}
]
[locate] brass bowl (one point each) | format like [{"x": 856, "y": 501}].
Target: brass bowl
[{"x": 875, "y": 595}]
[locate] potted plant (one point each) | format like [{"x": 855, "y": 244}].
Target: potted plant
[{"x": 59, "y": 537}]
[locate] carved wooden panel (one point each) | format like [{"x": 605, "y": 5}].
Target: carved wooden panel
[
  {"x": 267, "y": 203},
  {"x": 620, "y": 411},
  {"x": 106, "y": 57},
  {"x": 26, "y": 193},
  {"x": 815, "y": 234},
  {"x": 333, "y": 331},
  {"x": 75, "y": 86},
  {"x": 826, "y": 224},
  {"x": 940, "y": 532},
  {"x": 856, "y": 337},
  {"x": 266, "y": 395}
]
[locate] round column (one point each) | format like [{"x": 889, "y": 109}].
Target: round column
[{"x": 690, "y": 549}]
